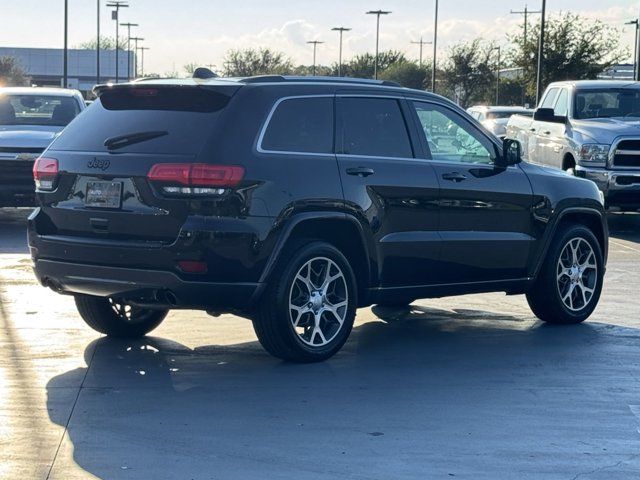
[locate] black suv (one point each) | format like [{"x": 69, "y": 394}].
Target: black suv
[{"x": 294, "y": 201}]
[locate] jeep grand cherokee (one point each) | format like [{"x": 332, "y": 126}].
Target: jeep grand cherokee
[{"x": 294, "y": 201}]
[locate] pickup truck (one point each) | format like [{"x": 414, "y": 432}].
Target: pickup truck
[
  {"x": 591, "y": 129},
  {"x": 30, "y": 118}
]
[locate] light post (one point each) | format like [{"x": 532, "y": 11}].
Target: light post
[
  {"x": 114, "y": 16},
  {"x": 135, "y": 56},
  {"x": 526, "y": 12},
  {"x": 341, "y": 30},
  {"x": 315, "y": 44},
  {"x": 377, "y": 13},
  {"x": 421, "y": 43},
  {"x": 635, "y": 46},
  {"x": 66, "y": 49},
  {"x": 98, "y": 43},
  {"x": 435, "y": 43},
  {"x": 129, "y": 25},
  {"x": 142, "y": 49},
  {"x": 540, "y": 52},
  {"x": 497, "y": 75}
]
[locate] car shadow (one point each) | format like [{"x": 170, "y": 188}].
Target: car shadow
[
  {"x": 13, "y": 230},
  {"x": 625, "y": 226},
  {"x": 417, "y": 392}
]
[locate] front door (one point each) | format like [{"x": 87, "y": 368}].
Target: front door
[
  {"x": 485, "y": 216},
  {"x": 394, "y": 193}
]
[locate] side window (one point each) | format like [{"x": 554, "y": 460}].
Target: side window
[
  {"x": 549, "y": 98},
  {"x": 372, "y": 127},
  {"x": 301, "y": 125},
  {"x": 451, "y": 137},
  {"x": 561, "y": 109}
]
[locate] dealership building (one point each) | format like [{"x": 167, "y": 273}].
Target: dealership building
[{"x": 45, "y": 66}]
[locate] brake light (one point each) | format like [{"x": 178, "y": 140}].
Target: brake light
[
  {"x": 195, "y": 178},
  {"x": 45, "y": 173}
]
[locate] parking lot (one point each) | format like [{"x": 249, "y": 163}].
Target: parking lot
[{"x": 467, "y": 387}]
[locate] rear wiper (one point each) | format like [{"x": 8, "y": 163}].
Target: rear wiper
[{"x": 120, "y": 141}]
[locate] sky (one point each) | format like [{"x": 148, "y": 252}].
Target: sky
[{"x": 201, "y": 31}]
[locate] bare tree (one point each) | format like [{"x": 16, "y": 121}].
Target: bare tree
[{"x": 12, "y": 74}]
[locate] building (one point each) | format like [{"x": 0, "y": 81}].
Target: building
[{"x": 45, "y": 66}]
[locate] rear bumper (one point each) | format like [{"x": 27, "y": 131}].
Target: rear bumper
[
  {"x": 143, "y": 287},
  {"x": 621, "y": 188}
]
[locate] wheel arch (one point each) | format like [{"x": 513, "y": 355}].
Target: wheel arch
[
  {"x": 341, "y": 230},
  {"x": 568, "y": 161}
]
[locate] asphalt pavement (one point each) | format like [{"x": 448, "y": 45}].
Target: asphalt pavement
[{"x": 470, "y": 387}]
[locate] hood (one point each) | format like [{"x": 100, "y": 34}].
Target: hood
[
  {"x": 605, "y": 130},
  {"x": 27, "y": 136}
]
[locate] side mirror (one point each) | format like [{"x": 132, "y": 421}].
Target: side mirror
[
  {"x": 548, "y": 115},
  {"x": 511, "y": 153}
]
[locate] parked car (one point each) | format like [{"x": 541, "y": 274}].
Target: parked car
[
  {"x": 591, "y": 129},
  {"x": 495, "y": 119},
  {"x": 30, "y": 118},
  {"x": 293, "y": 201}
]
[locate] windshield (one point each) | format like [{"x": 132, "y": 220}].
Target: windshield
[
  {"x": 30, "y": 109},
  {"x": 622, "y": 102}
]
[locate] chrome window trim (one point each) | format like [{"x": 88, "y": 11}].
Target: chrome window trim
[{"x": 265, "y": 125}]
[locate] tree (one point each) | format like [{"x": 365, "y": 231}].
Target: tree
[
  {"x": 468, "y": 73},
  {"x": 363, "y": 66},
  {"x": 248, "y": 62},
  {"x": 575, "y": 48},
  {"x": 408, "y": 74},
  {"x": 190, "y": 67},
  {"x": 12, "y": 74},
  {"x": 106, "y": 43}
]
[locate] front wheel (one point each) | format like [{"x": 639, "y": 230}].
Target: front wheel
[
  {"x": 117, "y": 319},
  {"x": 307, "y": 311},
  {"x": 568, "y": 287}
]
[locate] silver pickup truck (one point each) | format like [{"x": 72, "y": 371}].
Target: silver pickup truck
[{"x": 591, "y": 129}]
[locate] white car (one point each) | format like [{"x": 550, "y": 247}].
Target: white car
[
  {"x": 30, "y": 118},
  {"x": 495, "y": 119}
]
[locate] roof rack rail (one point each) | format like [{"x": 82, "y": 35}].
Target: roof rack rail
[{"x": 286, "y": 78}]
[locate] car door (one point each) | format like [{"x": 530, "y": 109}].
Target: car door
[
  {"x": 541, "y": 131},
  {"x": 394, "y": 193},
  {"x": 485, "y": 216}
]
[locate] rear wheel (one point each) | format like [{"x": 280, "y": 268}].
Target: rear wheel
[
  {"x": 568, "y": 287},
  {"x": 117, "y": 319},
  {"x": 308, "y": 309}
]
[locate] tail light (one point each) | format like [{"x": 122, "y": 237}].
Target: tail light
[
  {"x": 195, "y": 178},
  {"x": 45, "y": 173}
]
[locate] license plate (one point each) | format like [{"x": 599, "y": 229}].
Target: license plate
[{"x": 103, "y": 194}]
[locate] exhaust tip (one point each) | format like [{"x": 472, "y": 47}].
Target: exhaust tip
[{"x": 166, "y": 297}]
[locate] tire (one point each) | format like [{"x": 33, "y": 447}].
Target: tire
[
  {"x": 568, "y": 286},
  {"x": 324, "y": 316},
  {"x": 114, "y": 319}
]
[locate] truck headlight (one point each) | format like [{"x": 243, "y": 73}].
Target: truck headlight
[{"x": 594, "y": 154}]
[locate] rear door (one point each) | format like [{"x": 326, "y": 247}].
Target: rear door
[
  {"x": 485, "y": 211},
  {"x": 393, "y": 193},
  {"x": 107, "y": 153}
]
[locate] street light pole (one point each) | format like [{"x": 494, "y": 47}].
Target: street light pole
[
  {"x": 66, "y": 49},
  {"x": 435, "y": 44},
  {"x": 135, "y": 59},
  {"x": 635, "y": 46},
  {"x": 497, "y": 76},
  {"x": 315, "y": 44},
  {"x": 115, "y": 14},
  {"x": 637, "y": 49},
  {"x": 341, "y": 30},
  {"x": 421, "y": 43},
  {"x": 98, "y": 43},
  {"x": 377, "y": 13},
  {"x": 129, "y": 25},
  {"x": 142, "y": 49},
  {"x": 540, "y": 52}
]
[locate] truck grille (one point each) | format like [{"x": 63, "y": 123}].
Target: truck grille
[{"x": 627, "y": 154}]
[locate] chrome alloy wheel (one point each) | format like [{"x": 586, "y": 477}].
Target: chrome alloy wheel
[
  {"x": 318, "y": 301},
  {"x": 577, "y": 274}
]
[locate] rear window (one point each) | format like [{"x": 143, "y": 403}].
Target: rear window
[
  {"x": 301, "y": 125},
  {"x": 35, "y": 109},
  {"x": 187, "y": 114}
]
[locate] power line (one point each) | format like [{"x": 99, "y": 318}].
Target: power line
[
  {"x": 129, "y": 25},
  {"x": 421, "y": 43},
  {"x": 526, "y": 12}
]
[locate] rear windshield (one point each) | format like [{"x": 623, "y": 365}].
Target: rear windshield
[
  {"x": 37, "y": 109},
  {"x": 499, "y": 115},
  {"x": 188, "y": 115}
]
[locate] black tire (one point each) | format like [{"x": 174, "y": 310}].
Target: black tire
[
  {"x": 545, "y": 298},
  {"x": 114, "y": 319},
  {"x": 273, "y": 322}
]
